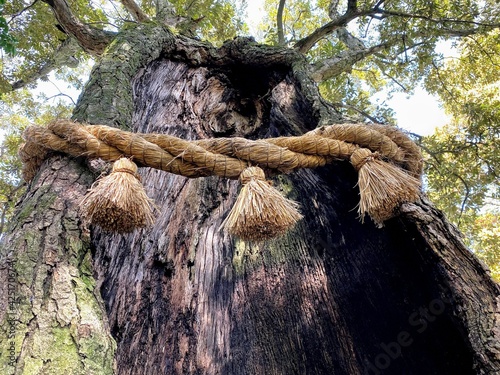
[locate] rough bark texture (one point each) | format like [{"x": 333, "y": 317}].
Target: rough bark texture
[
  {"x": 333, "y": 296},
  {"x": 53, "y": 322}
]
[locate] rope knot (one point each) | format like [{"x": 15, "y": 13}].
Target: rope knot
[
  {"x": 361, "y": 156},
  {"x": 252, "y": 173},
  {"x": 126, "y": 166}
]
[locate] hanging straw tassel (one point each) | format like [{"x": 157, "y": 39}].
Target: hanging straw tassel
[
  {"x": 260, "y": 211},
  {"x": 383, "y": 187},
  {"x": 118, "y": 202}
]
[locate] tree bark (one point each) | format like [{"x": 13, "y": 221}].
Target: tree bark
[
  {"x": 93, "y": 41},
  {"x": 53, "y": 318},
  {"x": 333, "y": 296}
]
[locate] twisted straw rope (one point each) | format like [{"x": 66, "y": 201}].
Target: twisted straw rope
[{"x": 224, "y": 157}]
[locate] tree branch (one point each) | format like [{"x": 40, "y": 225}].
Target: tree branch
[
  {"x": 379, "y": 4},
  {"x": 63, "y": 95},
  {"x": 349, "y": 40},
  {"x": 92, "y": 40},
  {"x": 443, "y": 83},
  {"x": 305, "y": 44},
  {"x": 343, "y": 34},
  {"x": 135, "y": 10},
  {"x": 17, "y": 14},
  {"x": 332, "y": 67},
  {"x": 333, "y": 12},
  {"x": 63, "y": 56},
  {"x": 405, "y": 89},
  {"x": 489, "y": 55},
  {"x": 352, "y": 6},
  {"x": 466, "y": 197},
  {"x": 383, "y": 13},
  {"x": 360, "y": 111},
  {"x": 279, "y": 23},
  {"x": 166, "y": 13}
]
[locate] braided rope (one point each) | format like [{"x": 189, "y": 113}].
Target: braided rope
[
  {"x": 224, "y": 157},
  {"x": 389, "y": 166}
]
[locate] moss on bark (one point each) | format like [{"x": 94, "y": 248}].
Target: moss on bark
[{"x": 56, "y": 320}]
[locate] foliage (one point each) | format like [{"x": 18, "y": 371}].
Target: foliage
[
  {"x": 299, "y": 19},
  {"x": 218, "y": 20},
  {"x": 484, "y": 237},
  {"x": 7, "y": 41},
  {"x": 34, "y": 28},
  {"x": 408, "y": 30},
  {"x": 463, "y": 163}
]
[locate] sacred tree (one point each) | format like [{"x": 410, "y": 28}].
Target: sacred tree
[{"x": 334, "y": 261}]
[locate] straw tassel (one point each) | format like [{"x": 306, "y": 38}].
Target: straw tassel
[
  {"x": 383, "y": 187},
  {"x": 118, "y": 202},
  {"x": 260, "y": 211}
]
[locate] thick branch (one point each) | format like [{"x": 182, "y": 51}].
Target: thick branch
[
  {"x": 349, "y": 40},
  {"x": 166, "y": 13},
  {"x": 352, "y": 6},
  {"x": 63, "y": 56},
  {"x": 135, "y": 10},
  {"x": 343, "y": 34},
  {"x": 279, "y": 23},
  {"x": 91, "y": 39},
  {"x": 332, "y": 67},
  {"x": 332, "y": 9}
]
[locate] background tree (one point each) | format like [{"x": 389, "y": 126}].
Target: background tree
[
  {"x": 463, "y": 164},
  {"x": 334, "y": 295}
]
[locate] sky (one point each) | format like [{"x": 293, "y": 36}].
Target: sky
[{"x": 419, "y": 113}]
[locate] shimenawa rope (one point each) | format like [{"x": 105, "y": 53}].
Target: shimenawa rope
[{"x": 388, "y": 162}]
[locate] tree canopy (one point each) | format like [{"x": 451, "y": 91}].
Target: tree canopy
[{"x": 354, "y": 50}]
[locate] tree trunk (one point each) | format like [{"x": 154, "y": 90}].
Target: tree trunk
[
  {"x": 53, "y": 318},
  {"x": 333, "y": 296}
]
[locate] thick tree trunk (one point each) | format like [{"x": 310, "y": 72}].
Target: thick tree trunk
[{"x": 333, "y": 296}]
